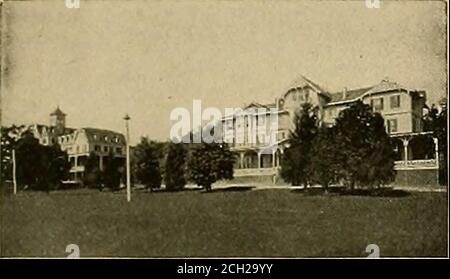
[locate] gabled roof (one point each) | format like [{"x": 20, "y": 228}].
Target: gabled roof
[
  {"x": 302, "y": 81},
  {"x": 384, "y": 86},
  {"x": 258, "y": 105},
  {"x": 255, "y": 104}
]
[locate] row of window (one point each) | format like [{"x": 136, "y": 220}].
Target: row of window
[
  {"x": 107, "y": 149},
  {"x": 84, "y": 149},
  {"x": 258, "y": 121},
  {"x": 105, "y": 138},
  {"x": 378, "y": 103}
]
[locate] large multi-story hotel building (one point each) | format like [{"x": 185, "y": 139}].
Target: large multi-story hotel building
[
  {"x": 80, "y": 143},
  {"x": 401, "y": 107}
]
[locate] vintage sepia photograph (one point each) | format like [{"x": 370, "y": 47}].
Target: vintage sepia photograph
[{"x": 224, "y": 129}]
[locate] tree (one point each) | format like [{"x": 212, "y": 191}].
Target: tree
[
  {"x": 175, "y": 166},
  {"x": 112, "y": 172},
  {"x": 92, "y": 174},
  {"x": 324, "y": 162},
  {"x": 40, "y": 167},
  {"x": 9, "y": 138},
  {"x": 146, "y": 163},
  {"x": 210, "y": 162},
  {"x": 295, "y": 165},
  {"x": 29, "y": 161},
  {"x": 440, "y": 131},
  {"x": 436, "y": 122},
  {"x": 364, "y": 149},
  {"x": 57, "y": 166}
]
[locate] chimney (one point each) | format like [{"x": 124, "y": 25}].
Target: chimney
[{"x": 344, "y": 93}]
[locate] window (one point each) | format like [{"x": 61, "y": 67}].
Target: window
[
  {"x": 395, "y": 101},
  {"x": 78, "y": 149},
  {"x": 119, "y": 150},
  {"x": 95, "y": 137},
  {"x": 97, "y": 148},
  {"x": 377, "y": 104},
  {"x": 392, "y": 125},
  {"x": 105, "y": 149}
]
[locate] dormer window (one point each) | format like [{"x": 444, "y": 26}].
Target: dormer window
[{"x": 95, "y": 137}]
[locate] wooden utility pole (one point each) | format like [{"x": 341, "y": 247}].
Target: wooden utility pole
[{"x": 127, "y": 119}]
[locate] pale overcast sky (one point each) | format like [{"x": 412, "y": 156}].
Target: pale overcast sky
[{"x": 148, "y": 57}]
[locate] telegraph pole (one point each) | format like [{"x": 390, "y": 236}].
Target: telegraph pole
[
  {"x": 127, "y": 119},
  {"x": 14, "y": 171}
]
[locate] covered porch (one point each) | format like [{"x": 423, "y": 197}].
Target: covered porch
[
  {"x": 264, "y": 161},
  {"x": 416, "y": 150},
  {"x": 417, "y": 159}
]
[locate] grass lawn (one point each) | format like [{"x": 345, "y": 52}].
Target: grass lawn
[{"x": 266, "y": 223}]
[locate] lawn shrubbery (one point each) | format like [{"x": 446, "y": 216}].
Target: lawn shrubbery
[
  {"x": 356, "y": 151},
  {"x": 40, "y": 167},
  {"x": 175, "y": 166}
]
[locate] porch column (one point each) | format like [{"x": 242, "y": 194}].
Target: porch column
[
  {"x": 273, "y": 159},
  {"x": 259, "y": 160},
  {"x": 241, "y": 157},
  {"x": 100, "y": 162},
  {"x": 436, "y": 151},
  {"x": 76, "y": 161},
  {"x": 405, "y": 148}
]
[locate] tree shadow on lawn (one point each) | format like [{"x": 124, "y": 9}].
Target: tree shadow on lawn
[
  {"x": 343, "y": 191},
  {"x": 162, "y": 190},
  {"x": 229, "y": 189}
]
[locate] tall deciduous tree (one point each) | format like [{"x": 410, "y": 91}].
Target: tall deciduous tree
[
  {"x": 9, "y": 138},
  {"x": 210, "y": 162},
  {"x": 92, "y": 174},
  {"x": 40, "y": 167},
  {"x": 295, "y": 165},
  {"x": 146, "y": 163},
  {"x": 325, "y": 166},
  {"x": 436, "y": 121},
  {"x": 364, "y": 148},
  {"x": 175, "y": 166},
  {"x": 112, "y": 171}
]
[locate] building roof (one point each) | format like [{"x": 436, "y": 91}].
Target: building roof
[
  {"x": 302, "y": 81},
  {"x": 348, "y": 94},
  {"x": 58, "y": 111},
  {"x": 40, "y": 128},
  {"x": 255, "y": 104},
  {"x": 95, "y": 135},
  {"x": 384, "y": 86}
]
